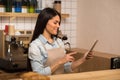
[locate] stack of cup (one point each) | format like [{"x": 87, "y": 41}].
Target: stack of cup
[
  {"x": 11, "y": 30},
  {"x": 57, "y": 5}
]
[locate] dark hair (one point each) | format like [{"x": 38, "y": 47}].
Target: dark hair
[{"x": 42, "y": 20}]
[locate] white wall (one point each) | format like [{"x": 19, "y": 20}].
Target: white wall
[{"x": 99, "y": 19}]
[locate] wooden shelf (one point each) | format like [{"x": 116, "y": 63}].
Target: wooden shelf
[
  {"x": 12, "y": 14},
  {"x": 64, "y": 16},
  {"x": 9, "y": 14}
]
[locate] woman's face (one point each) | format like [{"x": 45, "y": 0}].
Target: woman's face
[{"x": 53, "y": 25}]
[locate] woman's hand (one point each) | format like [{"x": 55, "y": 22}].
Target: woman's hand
[
  {"x": 77, "y": 63},
  {"x": 67, "y": 58},
  {"x": 88, "y": 55}
]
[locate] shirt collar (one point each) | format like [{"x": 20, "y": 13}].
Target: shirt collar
[{"x": 43, "y": 39}]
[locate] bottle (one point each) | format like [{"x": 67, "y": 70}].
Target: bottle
[
  {"x": 8, "y": 5},
  {"x": 31, "y": 6},
  {"x": 38, "y": 6},
  {"x": 57, "y": 5},
  {"x": 18, "y": 5}
]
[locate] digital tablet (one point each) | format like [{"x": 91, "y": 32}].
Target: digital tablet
[{"x": 93, "y": 45}]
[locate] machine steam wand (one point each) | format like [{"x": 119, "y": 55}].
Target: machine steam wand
[{"x": 64, "y": 38}]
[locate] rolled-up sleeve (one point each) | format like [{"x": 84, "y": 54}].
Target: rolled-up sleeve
[
  {"x": 40, "y": 68},
  {"x": 67, "y": 67},
  {"x": 37, "y": 60}
]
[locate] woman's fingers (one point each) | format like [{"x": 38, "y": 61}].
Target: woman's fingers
[
  {"x": 72, "y": 53},
  {"x": 69, "y": 57},
  {"x": 89, "y": 55}
]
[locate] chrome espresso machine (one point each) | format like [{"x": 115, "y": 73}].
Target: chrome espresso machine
[{"x": 13, "y": 51}]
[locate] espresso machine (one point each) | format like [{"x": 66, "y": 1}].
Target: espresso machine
[
  {"x": 13, "y": 51},
  {"x": 64, "y": 38}
]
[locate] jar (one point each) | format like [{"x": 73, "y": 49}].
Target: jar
[
  {"x": 24, "y": 9},
  {"x": 18, "y": 5},
  {"x": 8, "y": 5},
  {"x": 57, "y": 6},
  {"x": 24, "y": 6},
  {"x": 31, "y": 9},
  {"x": 2, "y": 9},
  {"x": 38, "y": 6},
  {"x": 1, "y": 6},
  {"x": 31, "y": 6}
]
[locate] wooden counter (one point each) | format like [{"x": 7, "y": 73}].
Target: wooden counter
[
  {"x": 113, "y": 74},
  {"x": 93, "y": 75},
  {"x": 100, "y": 61}
]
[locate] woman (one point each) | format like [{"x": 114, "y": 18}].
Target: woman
[{"x": 46, "y": 52}]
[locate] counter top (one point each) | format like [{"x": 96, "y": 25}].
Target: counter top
[
  {"x": 113, "y": 74},
  {"x": 96, "y": 53},
  {"x": 93, "y": 75}
]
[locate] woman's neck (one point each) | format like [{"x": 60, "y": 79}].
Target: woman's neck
[{"x": 48, "y": 37}]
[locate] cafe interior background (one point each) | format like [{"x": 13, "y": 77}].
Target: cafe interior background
[{"x": 88, "y": 20}]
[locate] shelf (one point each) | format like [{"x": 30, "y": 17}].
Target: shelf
[{"x": 9, "y": 14}]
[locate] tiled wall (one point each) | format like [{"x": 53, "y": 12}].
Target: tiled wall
[{"x": 68, "y": 25}]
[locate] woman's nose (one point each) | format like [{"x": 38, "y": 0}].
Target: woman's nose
[{"x": 58, "y": 25}]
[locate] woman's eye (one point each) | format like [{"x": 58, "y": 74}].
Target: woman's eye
[{"x": 55, "y": 22}]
